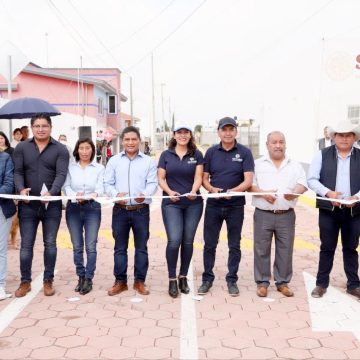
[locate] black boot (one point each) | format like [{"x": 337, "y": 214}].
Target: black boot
[
  {"x": 87, "y": 287},
  {"x": 80, "y": 283},
  {"x": 183, "y": 285},
  {"x": 173, "y": 288}
]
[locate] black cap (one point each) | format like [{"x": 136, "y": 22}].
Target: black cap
[{"x": 226, "y": 121}]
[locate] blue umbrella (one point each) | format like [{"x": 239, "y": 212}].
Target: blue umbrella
[{"x": 27, "y": 107}]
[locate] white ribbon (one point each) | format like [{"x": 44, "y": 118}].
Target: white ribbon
[{"x": 109, "y": 200}]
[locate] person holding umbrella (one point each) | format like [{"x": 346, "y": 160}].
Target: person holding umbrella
[{"x": 41, "y": 166}]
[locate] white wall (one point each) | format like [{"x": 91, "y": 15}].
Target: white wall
[{"x": 314, "y": 93}]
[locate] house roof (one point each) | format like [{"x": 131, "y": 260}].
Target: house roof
[
  {"x": 87, "y": 80},
  {"x": 126, "y": 116}
]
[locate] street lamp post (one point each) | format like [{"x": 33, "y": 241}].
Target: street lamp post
[
  {"x": 163, "y": 113},
  {"x": 153, "y": 120}
]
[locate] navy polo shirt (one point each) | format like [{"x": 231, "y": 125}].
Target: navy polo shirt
[
  {"x": 226, "y": 169},
  {"x": 180, "y": 173}
]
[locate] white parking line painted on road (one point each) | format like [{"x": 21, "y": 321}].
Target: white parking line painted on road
[
  {"x": 17, "y": 305},
  {"x": 188, "y": 333},
  {"x": 335, "y": 311}
]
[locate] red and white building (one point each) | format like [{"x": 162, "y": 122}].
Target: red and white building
[{"x": 89, "y": 99}]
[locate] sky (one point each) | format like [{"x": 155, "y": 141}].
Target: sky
[{"x": 212, "y": 58}]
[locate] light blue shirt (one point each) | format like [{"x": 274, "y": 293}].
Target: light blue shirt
[
  {"x": 89, "y": 179},
  {"x": 132, "y": 176},
  {"x": 342, "y": 176}
]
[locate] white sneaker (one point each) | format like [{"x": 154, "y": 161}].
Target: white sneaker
[{"x": 3, "y": 294}]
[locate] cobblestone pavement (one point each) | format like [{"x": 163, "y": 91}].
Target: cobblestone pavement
[{"x": 247, "y": 327}]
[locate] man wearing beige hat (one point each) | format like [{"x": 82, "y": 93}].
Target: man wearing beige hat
[{"x": 334, "y": 173}]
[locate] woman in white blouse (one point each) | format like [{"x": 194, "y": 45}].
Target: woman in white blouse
[{"x": 83, "y": 217}]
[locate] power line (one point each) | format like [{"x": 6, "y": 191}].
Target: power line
[
  {"x": 343, "y": 33},
  {"x": 289, "y": 33},
  {"x": 167, "y": 37},
  {"x": 107, "y": 50},
  {"x": 59, "y": 16},
  {"x": 142, "y": 27}
]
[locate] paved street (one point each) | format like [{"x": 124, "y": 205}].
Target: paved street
[{"x": 217, "y": 326}]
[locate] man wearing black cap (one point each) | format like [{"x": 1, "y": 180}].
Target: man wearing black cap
[{"x": 228, "y": 167}]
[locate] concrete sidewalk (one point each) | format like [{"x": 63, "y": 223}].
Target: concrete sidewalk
[{"x": 159, "y": 327}]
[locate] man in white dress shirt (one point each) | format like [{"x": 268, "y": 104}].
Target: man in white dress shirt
[{"x": 274, "y": 214}]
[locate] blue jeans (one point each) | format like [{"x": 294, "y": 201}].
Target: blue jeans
[
  {"x": 122, "y": 221},
  {"x": 80, "y": 219},
  {"x": 30, "y": 216},
  {"x": 5, "y": 225},
  {"x": 181, "y": 222},
  {"x": 214, "y": 217}
]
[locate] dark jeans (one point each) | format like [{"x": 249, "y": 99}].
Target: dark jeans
[
  {"x": 122, "y": 221},
  {"x": 214, "y": 217},
  {"x": 330, "y": 224},
  {"x": 29, "y": 217},
  {"x": 181, "y": 222},
  {"x": 80, "y": 219}
]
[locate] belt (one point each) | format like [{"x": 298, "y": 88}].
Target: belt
[
  {"x": 277, "y": 212},
  {"x": 84, "y": 202},
  {"x": 130, "y": 207}
]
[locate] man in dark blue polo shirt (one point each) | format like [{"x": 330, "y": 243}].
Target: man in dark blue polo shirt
[
  {"x": 41, "y": 164},
  {"x": 228, "y": 167}
]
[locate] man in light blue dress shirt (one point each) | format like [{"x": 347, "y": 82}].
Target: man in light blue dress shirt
[
  {"x": 334, "y": 173},
  {"x": 130, "y": 174}
]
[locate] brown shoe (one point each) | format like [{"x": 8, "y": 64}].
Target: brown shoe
[
  {"x": 285, "y": 290},
  {"x": 262, "y": 291},
  {"x": 117, "y": 288},
  {"x": 23, "y": 289},
  {"x": 48, "y": 288},
  {"x": 318, "y": 292},
  {"x": 140, "y": 287},
  {"x": 354, "y": 292}
]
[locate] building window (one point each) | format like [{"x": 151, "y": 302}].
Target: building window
[
  {"x": 112, "y": 104},
  {"x": 354, "y": 113},
  {"x": 100, "y": 106}
]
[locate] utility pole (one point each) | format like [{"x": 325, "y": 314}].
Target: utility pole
[
  {"x": 131, "y": 102},
  {"x": 10, "y": 92},
  {"x": 153, "y": 121},
  {"x": 170, "y": 119},
  {"x": 162, "y": 112},
  {"x": 47, "y": 49},
  {"x": 78, "y": 92},
  {"x": 82, "y": 93}
]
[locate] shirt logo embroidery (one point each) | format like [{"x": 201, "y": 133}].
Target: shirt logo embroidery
[
  {"x": 192, "y": 161},
  {"x": 237, "y": 158}
]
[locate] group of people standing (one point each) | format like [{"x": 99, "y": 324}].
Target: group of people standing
[{"x": 41, "y": 167}]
